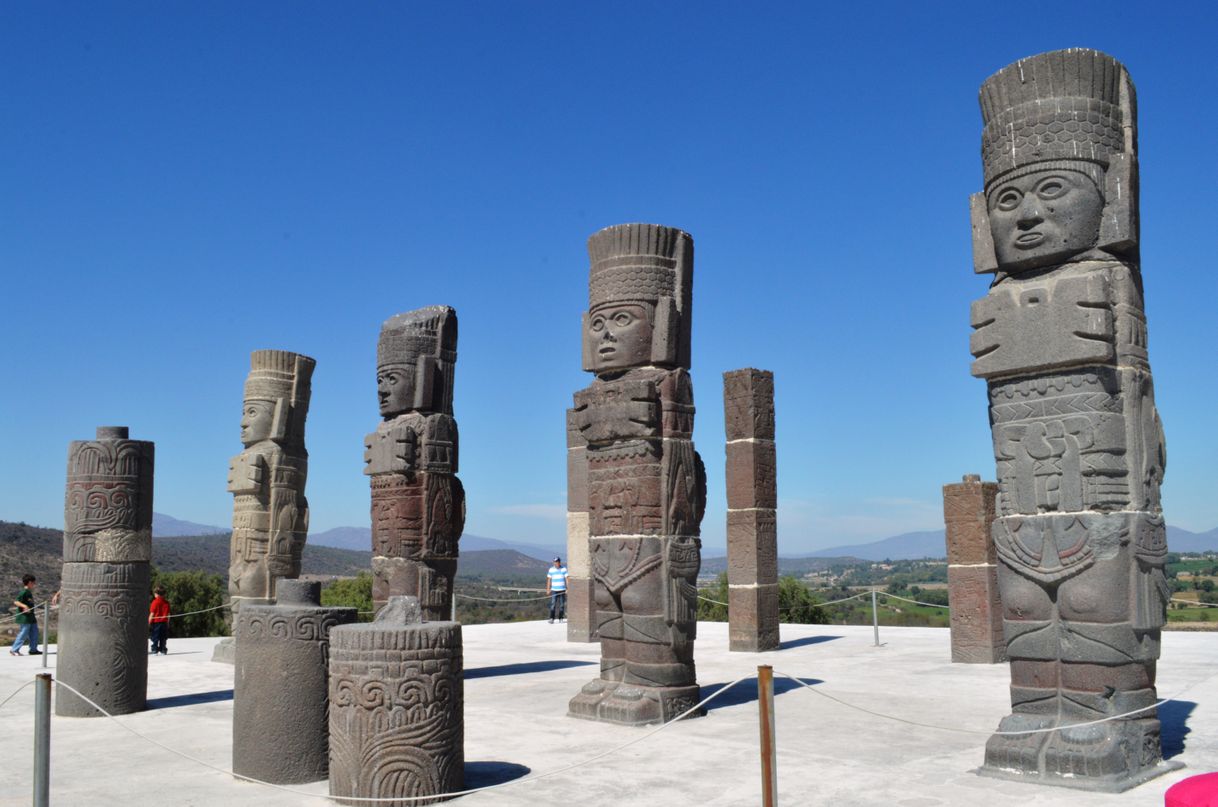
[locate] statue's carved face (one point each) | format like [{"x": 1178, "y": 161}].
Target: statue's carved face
[
  {"x": 395, "y": 388},
  {"x": 619, "y": 336},
  {"x": 257, "y": 420},
  {"x": 1044, "y": 217}
]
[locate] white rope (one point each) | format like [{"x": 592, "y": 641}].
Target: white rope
[
  {"x": 394, "y": 799},
  {"x": 15, "y": 693},
  {"x": 31, "y": 610},
  {"x": 1196, "y": 603},
  {"x": 204, "y": 611},
  {"x": 797, "y": 607},
  {"x": 919, "y": 602},
  {"x": 1155, "y": 705},
  {"x": 522, "y": 599}
]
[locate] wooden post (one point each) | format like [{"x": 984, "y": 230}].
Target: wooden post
[{"x": 769, "y": 755}]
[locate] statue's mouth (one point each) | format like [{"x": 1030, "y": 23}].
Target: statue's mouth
[
  {"x": 605, "y": 350},
  {"x": 1029, "y": 240}
]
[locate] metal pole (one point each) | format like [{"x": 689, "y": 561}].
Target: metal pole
[
  {"x": 454, "y": 616},
  {"x": 769, "y": 756},
  {"x": 875, "y": 618},
  {"x": 46, "y": 631},
  {"x": 42, "y": 740}
]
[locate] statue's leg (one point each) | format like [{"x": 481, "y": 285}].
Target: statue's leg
[{"x": 608, "y": 629}]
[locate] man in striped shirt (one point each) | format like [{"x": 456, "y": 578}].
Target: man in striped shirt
[{"x": 556, "y": 587}]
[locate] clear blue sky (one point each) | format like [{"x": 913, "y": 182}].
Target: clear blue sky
[{"x": 182, "y": 183}]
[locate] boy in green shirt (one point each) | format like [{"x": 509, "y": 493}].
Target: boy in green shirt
[{"x": 26, "y": 618}]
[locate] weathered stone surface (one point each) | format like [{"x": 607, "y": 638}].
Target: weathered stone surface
[
  {"x": 267, "y": 479},
  {"x": 752, "y": 499},
  {"x": 103, "y": 638},
  {"x": 396, "y": 707},
  {"x": 103, "y": 617},
  {"x": 581, "y": 606},
  {"x": 280, "y": 695},
  {"x": 972, "y": 572},
  {"x": 1061, "y": 340},
  {"x": 418, "y": 503},
  {"x": 646, "y": 484}
]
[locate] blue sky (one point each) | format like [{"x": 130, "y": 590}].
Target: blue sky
[{"x": 186, "y": 182}]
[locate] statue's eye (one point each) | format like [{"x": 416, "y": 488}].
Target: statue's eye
[
  {"x": 598, "y": 324},
  {"x": 1008, "y": 199},
  {"x": 1051, "y": 188},
  {"x": 622, "y": 318}
]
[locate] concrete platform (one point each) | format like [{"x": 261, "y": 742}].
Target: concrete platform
[{"x": 520, "y": 676}]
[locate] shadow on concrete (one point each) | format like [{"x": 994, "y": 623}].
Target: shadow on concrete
[
  {"x": 485, "y": 774},
  {"x": 190, "y": 700},
  {"x": 525, "y": 667},
  {"x": 1173, "y": 720},
  {"x": 788, "y": 644},
  {"x": 746, "y": 691}
]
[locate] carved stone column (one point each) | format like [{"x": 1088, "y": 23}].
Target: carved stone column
[
  {"x": 107, "y": 545},
  {"x": 418, "y": 503},
  {"x": 581, "y": 605},
  {"x": 646, "y": 484},
  {"x": 280, "y": 694},
  {"x": 396, "y": 707},
  {"x": 1061, "y": 342},
  {"x": 972, "y": 572},
  {"x": 752, "y": 502}
]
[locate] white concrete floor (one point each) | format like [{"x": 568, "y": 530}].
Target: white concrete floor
[{"x": 520, "y": 676}]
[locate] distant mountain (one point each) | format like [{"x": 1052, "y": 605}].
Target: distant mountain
[
  {"x": 906, "y": 546},
  {"x": 1181, "y": 540},
  {"x": 360, "y": 538},
  {"x": 796, "y": 567},
  {"x": 164, "y": 526}
]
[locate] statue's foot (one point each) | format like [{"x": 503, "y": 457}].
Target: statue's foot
[
  {"x": 586, "y": 704},
  {"x": 631, "y": 706},
  {"x": 1114, "y": 751},
  {"x": 1019, "y": 753}
]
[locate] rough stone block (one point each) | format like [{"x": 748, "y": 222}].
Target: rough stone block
[
  {"x": 748, "y": 403},
  {"x": 753, "y": 624},
  {"x": 751, "y": 475},
  {"x": 108, "y": 507},
  {"x": 976, "y": 615},
  {"x": 103, "y": 637},
  {"x": 396, "y": 708},
  {"x": 752, "y": 547},
  {"x": 581, "y": 610},
  {"x": 577, "y": 545},
  {"x": 280, "y": 697},
  {"x": 968, "y": 512}
]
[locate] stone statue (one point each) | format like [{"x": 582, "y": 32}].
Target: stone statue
[
  {"x": 280, "y": 691},
  {"x": 107, "y": 546},
  {"x": 752, "y": 511},
  {"x": 1061, "y": 340},
  {"x": 267, "y": 479},
  {"x": 646, "y": 484},
  {"x": 418, "y": 504},
  {"x": 397, "y": 707}
]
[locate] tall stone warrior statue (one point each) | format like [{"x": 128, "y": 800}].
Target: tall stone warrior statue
[
  {"x": 418, "y": 504},
  {"x": 1061, "y": 341},
  {"x": 646, "y": 484},
  {"x": 107, "y": 546},
  {"x": 267, "y": 479}
]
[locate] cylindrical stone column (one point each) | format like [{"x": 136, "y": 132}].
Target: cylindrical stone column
[
  {"x": 972, "y": 572},
  {"x": 107, "y": 543},
  {"x": 396, "y": 707},
  {"x": 752, "y": 502},
  {"x": 280, "y": 725},
  {"x": 581, "y": 605}
]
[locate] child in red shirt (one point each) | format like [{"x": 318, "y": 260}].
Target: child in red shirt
[{"x": 158, "y": 622}]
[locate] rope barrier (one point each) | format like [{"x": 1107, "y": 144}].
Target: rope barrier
[
  {"x": 522, "y": 599},
  {"x": 204, "y": 611},
  {"x": 1155, "y": 705},
  {"x": 395, "y": 799},
  {"x": 919, "y": 602},
  {"x": 11, "y": 617},
  {"x": 15, "y": 692},
  {"x": 797, "y": 607},
  {"x": 1195, "y": 603}
]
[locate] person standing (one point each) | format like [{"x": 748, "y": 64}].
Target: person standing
[
  {"x": 556, "y": 587},
  {"x": 26, "y": 618},
  {"x": 158, "y": 622}
]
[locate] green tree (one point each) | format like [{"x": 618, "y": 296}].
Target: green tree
[
  {"x": 712, "y": 611},
  {"x": 190, "y": 592},
  {"x": 797, "y": 604},
  {"x": 351, "y": 592}
]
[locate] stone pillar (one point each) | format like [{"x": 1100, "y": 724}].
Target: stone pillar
[
  {"x": 280, "y": 698},
  {"x": 1061, "y": 341},
  {"x": 646, "y": 484},
  {"x": 418, "y": 504},
  {"x": 581, "y": 607},
  {"x": 396, "y": 707},
  {"x": 107, "y": 546},
  {"x": 267, "y": 479},
  {"x": 972, "y": 572},
  {"x": 752, "y": 502}
]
